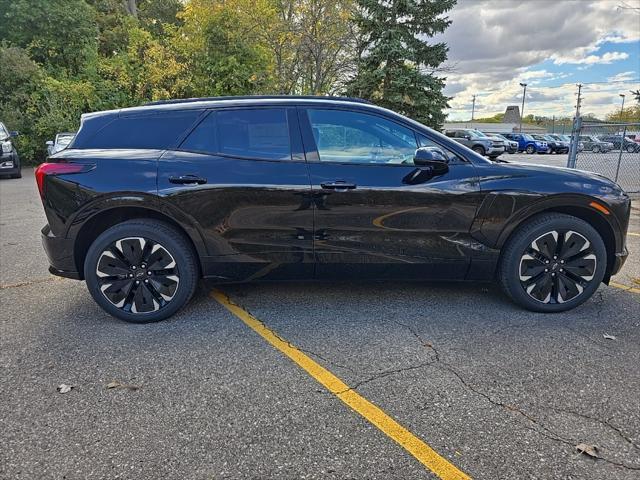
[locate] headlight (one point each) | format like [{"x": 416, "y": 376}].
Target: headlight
[{"x": 6, "y": 147}]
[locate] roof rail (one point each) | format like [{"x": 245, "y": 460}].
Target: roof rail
[{"x": 258, "y": 97}]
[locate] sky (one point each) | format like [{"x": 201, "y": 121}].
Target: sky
[{"x": 551, "y": 45}]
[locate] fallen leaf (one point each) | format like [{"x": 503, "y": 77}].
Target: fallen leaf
[
  {"x": 116, "y": 384},
  {"x": 587, "y": 449},
  {"x": 64, "y": 388},
  {"x": 609, "y": 337}
]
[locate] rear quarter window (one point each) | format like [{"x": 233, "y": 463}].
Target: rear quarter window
[{"x": 154, "y": 131}]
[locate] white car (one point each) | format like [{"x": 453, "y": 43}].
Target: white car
[{"x": 61, "y": 142}]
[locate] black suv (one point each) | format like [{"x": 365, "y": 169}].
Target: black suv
[
  {"x": 147, "y": 200},
  {"x": 9, "y": 159},
  {"x": 618, "y": 142}
]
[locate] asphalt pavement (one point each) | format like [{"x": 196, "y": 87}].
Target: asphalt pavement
[{"x": 496, "y": 391}]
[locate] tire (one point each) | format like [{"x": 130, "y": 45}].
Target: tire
[
  {"x": 595, "y": 149},
  {"x": 479, "y": 149},
  {"x": 631, "y": 149},
  {"x": 128, "y": 251},
  {"x": 562, "y": 286},
  {"x": 493, "y": 157},
  {"x": 530, "y": 149}
]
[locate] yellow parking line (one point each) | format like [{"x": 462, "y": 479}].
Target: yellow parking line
[
  {"x": 626, "y": 288},
  {"x": 376, "y": 416},
  {"x": 633, "y": 234}
]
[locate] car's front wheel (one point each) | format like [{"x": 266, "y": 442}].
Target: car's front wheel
[
  {"x": 530, "y": 149},
  {"x": 596, "y": 149},
  {"x": 552, "y": 263},
  {"x": 631, "y": 149},
  {"x": 479, "y": 149},
  {"x": 141, "y": 271}
]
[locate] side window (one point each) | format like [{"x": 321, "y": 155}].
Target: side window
[
  {"x": 157, "y": 131},
  {"x": 353, "y": 137},
  {"x": 261, "y": 133},
  {"x": 450, "y": 134},
  {"x": 203, "y": 137},
  {"x": 430, "y": 144}
]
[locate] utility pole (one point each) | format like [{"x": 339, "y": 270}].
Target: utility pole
[
  {"x": 553, "y": 124},
  {"x": 473, "y": 107},
  {"x": 579, "y": 102},
  {"x": 524, "y": 94},
  {"x": 621, "y": 108}
]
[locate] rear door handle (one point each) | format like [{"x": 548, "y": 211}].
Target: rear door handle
[
  {"x": 338, "y": 185},
  {"x": 188, "y": 180}
]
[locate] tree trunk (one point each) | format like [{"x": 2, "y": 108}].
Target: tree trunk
[{"x": 131, "y": 7}]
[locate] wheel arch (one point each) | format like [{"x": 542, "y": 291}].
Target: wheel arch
[{"x": 104, "y": 219}]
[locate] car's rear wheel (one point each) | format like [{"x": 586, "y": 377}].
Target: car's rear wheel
[
  {"x": 479, "y": 150},
  {"x": 596, "y": 149},
  {"x": 141, "y": 271},
  {"x": 530, "y": 149},
  {"x": 631, "y": 149},
  {"x": 552, "y": 263}
]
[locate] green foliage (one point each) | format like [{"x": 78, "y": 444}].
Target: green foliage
[
  {"x": 397, "y": 64},
  {"x": 62, "y": 58},
  {"x": 58, "y": 34}
]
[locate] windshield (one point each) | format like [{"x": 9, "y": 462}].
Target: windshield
[
  {"x": 477, "y": 134},
  {"x": 526, "y": 136},
  {"x": 64, "y": 140}
]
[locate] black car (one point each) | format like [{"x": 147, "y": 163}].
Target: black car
[
  {"x": 9, "y": 159},
  {"x": 617, "y": 141},
  {"x": 555, "y": 145},
  {"x": 147, "y": 200}
]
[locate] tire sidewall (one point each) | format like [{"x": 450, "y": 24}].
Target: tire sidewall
[
  {"x": 530, "y": 149},
  {"x": 160, "y": 235},
  {"x": 510, "y": 267}
]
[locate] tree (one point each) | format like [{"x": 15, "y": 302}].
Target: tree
[
  {"x": 59, "y": 34},
  {"x": 395, "y": 56},
  {"x": 636, "y": 95}
]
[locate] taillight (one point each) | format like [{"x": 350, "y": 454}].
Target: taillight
[{"x": 57, "y": 169}]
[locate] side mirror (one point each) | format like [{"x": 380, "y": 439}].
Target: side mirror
[{"x": 430, "y": 157}]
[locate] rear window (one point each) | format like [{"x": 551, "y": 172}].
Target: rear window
[
  {"x": 260, "y": 133},
  {"x": 156, "y": 131}
]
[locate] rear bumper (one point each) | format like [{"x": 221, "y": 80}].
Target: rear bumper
[{"x": 60, "y": 254}]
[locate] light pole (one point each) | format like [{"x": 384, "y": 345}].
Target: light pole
[
  {"x": 473, "y": 108},
  {"x": 622, "y": 107},
  {"x": 524, "y": 94}
]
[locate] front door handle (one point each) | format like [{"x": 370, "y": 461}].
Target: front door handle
[
  {"x": 188, "y": 180},
  {"x": 338, "y": 185}
]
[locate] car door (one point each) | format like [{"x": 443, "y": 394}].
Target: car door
[
  {"x": 378, "y": 214},
  {"x": 241, "y": 177}
]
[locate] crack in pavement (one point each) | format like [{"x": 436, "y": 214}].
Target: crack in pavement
[
  {"x": 541, "y": 430},
  {"x": 606, "y": 423},
  {"x": 386, "y": 373},
  {"x": 29, "y": 282}
]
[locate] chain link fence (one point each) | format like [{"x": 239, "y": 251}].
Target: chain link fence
[{"x": 610, "y": 149}]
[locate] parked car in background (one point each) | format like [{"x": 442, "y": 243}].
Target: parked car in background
[
  {"x": 567, "y": 138},
  {"x": 147, "y": 200},
  {"x": 555, "y": 145},
  {"x": 620, "y": 142},
  {"x": 9, "y": 159},
  {"x": 61, "y": 142},
  {"x": 510, "y": 145},
  {"x": 593, "y": 143},
  {"x": 526, "y": 143},
  {"x": 478, "y": 142}
]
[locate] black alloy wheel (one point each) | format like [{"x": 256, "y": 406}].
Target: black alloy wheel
[
  {"x": 141, "y": 270},
  {"x": 557, "y": 266},
  {"x": 137, "y": 275},
  {"x": 552, "y": 263}
]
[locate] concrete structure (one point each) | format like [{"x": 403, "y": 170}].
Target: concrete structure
[{"x": 512, "y": 114}]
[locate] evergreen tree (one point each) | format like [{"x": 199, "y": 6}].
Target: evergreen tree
[{"x": 396, "y": 64}]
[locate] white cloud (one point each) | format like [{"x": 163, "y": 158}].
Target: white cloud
[
  {"x": 606, "y": 58},
  {"x": 495, "y": 44},
  {"x": 624, "y": 76}
]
